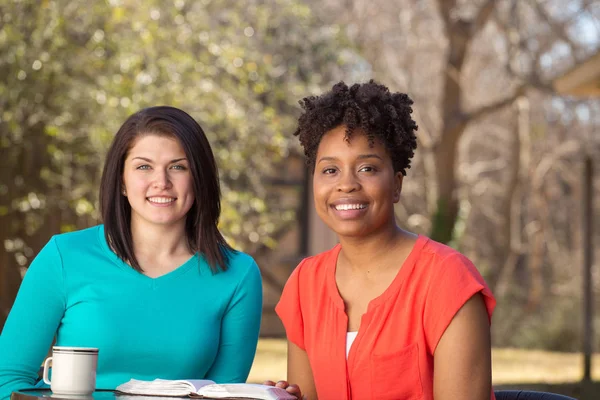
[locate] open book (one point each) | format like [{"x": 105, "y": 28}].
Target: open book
[{"x": 204, "y": 389}]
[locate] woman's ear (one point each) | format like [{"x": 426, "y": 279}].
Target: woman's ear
[{"x": 398, "y": 186}]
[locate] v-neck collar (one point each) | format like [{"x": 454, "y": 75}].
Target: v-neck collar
[
  {"x": 397, "y": 282},
  {"x": 193, "y": 260}
]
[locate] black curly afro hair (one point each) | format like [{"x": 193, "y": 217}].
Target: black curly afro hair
[{"x": 368, "y": 107}]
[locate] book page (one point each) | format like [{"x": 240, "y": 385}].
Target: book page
[
  {"x": 163, "y": 387},
  {"x": 245, "y": 390},
  {"x": 199, "y": 383}
]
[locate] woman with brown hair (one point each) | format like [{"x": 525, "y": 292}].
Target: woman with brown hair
[{"x": 156, "y": 287}]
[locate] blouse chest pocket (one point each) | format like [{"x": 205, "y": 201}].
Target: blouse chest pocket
[{"x": 396, "y": 376}]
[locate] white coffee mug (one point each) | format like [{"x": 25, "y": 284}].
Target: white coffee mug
[{"x": 73, "y": 370}]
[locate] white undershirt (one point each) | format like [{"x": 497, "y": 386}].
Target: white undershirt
[{"x": 350, "y": 336}]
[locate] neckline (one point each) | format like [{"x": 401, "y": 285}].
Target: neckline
[
  {"x": 398, "y": 280},
  {"x": 193, "y": 260}
]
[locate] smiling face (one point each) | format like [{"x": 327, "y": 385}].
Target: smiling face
[
  {"x": 157, "y": 181},
  {"x": 354, "y": 185}
]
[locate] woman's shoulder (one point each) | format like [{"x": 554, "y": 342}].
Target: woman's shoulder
[
  {"x": 62, "y": 248},
  {"x": 79, "y": 238},
  {"x": 238, "y": 259},
  {"x": 316, "y": 265},
  {"x": 437, "y": 252},
  {"x": 440, "y": 264},
  {"x": 240, "y": 265}
]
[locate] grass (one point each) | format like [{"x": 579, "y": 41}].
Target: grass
[
  {"x": 509, "y": 366},
  {"x": 270, "y": 361},
  {"x": 537, "y": 366}
]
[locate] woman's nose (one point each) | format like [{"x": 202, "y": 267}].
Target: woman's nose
[
  {"x": 348, "y": 183},
  {"x": 162, "y": 180}
]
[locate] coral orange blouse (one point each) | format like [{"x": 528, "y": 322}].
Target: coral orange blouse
[{"x": 392, "y": 355}]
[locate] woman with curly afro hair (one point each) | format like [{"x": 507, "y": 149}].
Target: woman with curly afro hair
[{"x": 386, "y": 314}]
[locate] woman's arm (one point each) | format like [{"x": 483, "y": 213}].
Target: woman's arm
[
  {"x": 32, "y": 322},
  {"x": 239, "y": 330},
  {"x": 300, "y": 372},
  {"x": 462, "y": 358}
]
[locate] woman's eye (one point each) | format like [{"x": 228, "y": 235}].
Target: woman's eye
[
  {"x": 367, "y": 169},
  {"x": 329, "y": 171},
  {"x": 144, "y": 166},
  {"x": 179, "y": 167}
]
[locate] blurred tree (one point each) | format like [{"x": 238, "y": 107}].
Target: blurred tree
[
  {"x": 72, "y": 71},
  {"x": 496, "y": 172},
  {"x": 48, "y": 165},
  {"x": 456, "y": 58}
]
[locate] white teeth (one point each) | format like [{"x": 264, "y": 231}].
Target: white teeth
[
  {"x": 345, "y": 207},
  {"x": 161, "y": 200}
]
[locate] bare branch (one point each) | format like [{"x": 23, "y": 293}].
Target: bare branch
[
  {"x": 446, "y": 7},
  {"x": 471, "y": 173},
  {"x": 558, "y": 29},
  {"x": 483, "y": 16},
  {"x": 490, "y": 108},
  {"x": 534, "y": 81},
  {"x": 534, "y": 77},
  {"x": 550, "y": 160}
]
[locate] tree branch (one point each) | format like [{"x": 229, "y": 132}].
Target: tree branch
[
  {"x": 446, "y": 7},
  {"x": 482, "y": 16},
  {"x": 490, "y": 108},
  {"x": 559, "y": 30},
  {"x": 533, "y": 79}
]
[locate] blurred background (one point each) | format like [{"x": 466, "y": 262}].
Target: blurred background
[{"x": 507, "y": 98}]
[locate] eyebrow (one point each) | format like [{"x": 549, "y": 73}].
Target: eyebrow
[
  {"x": 360, "y": 157},
  {"x": 149, "y": 160}
]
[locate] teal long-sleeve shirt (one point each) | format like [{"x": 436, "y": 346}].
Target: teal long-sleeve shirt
[{"x": 189, "y": 323}]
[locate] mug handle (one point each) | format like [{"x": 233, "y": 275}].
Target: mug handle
[{"x": 46, "y": 367}]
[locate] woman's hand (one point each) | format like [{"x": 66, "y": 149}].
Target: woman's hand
[
  {"x": 298, "y": 371},
  {"x": 291, "y": 389}
]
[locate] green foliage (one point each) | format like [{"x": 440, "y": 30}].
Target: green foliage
[
  {"x": 72, "y": 71},
  {"x": 47, "y": 161},
  {"x": 442, "y": 225}
]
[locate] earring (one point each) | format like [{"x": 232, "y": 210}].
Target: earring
[{"x": 123, "y": 192}]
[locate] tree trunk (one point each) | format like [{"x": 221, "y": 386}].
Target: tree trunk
[
  {"x": 460, "y": 34},
  {"x": 519, "y": 166},
  {"x": 446, "y": 213}
]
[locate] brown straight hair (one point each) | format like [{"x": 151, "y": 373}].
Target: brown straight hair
[{"x": 202, "y": 233}]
